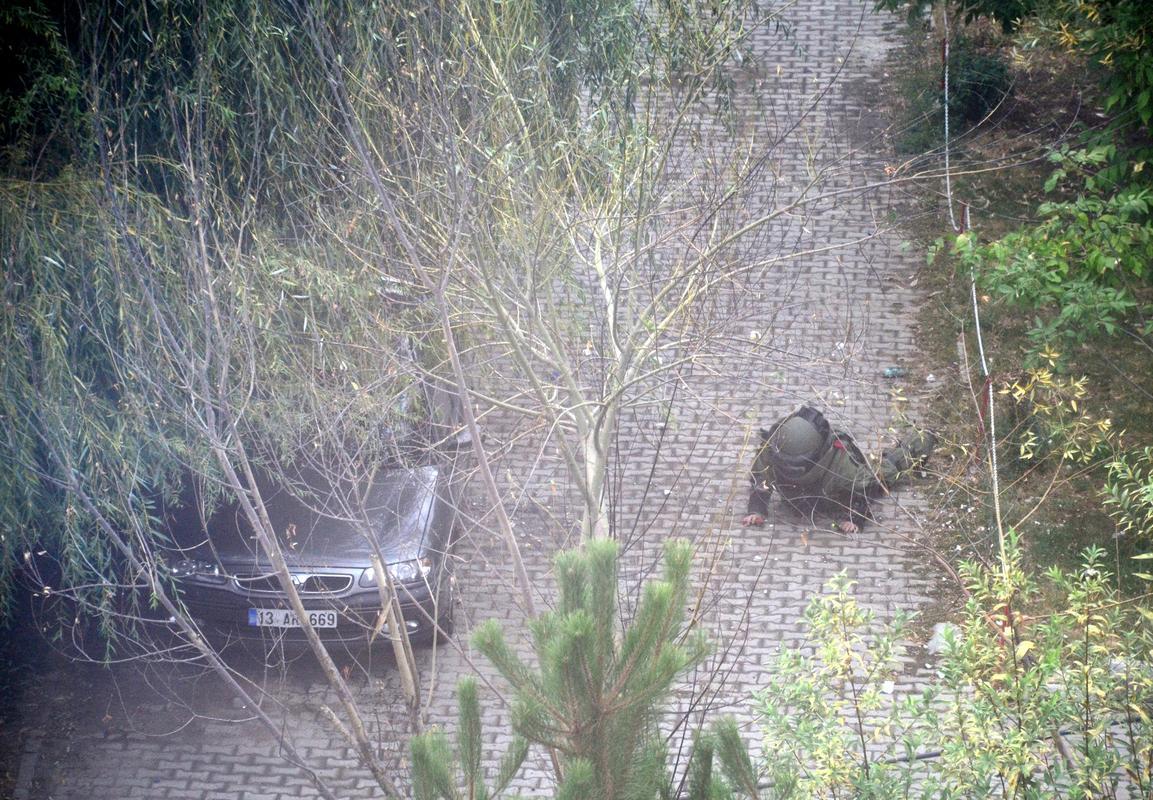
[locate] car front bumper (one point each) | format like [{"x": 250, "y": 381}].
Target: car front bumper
[{"x": 224, "y": 614}]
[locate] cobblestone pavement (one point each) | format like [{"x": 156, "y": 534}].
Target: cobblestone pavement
[{"x": 818, "y": 327}]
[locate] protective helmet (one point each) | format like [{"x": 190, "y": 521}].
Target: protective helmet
[
  {"x": 797, "y": 437},
  {"x": 797, "y": 443}
]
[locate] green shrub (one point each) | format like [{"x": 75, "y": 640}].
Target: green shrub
[
  {"x": 1022, "y": 705},
  {"x": 1048, "y": 416},
  {"x": 822, "y": 714},
  {"x": 1077, "y": 267},
  {"x": 1129, "y": 492}
]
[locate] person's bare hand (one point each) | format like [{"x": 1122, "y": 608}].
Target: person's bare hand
[
  {"x": 848, "y": 526},
  {"x": 753, "y": 520}
]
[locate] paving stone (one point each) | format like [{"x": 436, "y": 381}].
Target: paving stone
[{"x": 818, "y": 326}]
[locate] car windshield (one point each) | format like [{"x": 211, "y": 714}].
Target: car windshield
[{"x": 314, "y": 520}]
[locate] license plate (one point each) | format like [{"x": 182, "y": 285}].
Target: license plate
[{"x": 285, "y": 618}]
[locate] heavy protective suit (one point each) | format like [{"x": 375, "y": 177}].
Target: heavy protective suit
[{"x": 817, "y": 469}]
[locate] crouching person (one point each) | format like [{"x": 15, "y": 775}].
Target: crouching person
[{"x": 819, "y": 470}]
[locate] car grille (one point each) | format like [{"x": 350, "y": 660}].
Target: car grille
[{"x": 306, "y": 584}]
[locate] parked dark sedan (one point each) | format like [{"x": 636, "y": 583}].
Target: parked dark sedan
[{"x": 329, "y": 536}]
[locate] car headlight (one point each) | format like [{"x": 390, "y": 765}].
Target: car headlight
[
  {"x": 195, "y": 568},
  {"x": 401, "y": 572}
]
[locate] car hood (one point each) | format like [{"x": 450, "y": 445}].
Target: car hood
[{"x": 317, "y": 525}]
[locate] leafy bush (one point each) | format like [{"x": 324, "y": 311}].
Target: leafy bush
[
  {"x": 1129, "y": 492},
  {"x": 830, "y": 704},
  {"x": 1118, "y": 34},
  {"x": 1029, "y": 706},
  {"x": 1049, "y": 416},
  {"x": 1077, "y": 267},
  {"x": 41, "y": 95}
]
